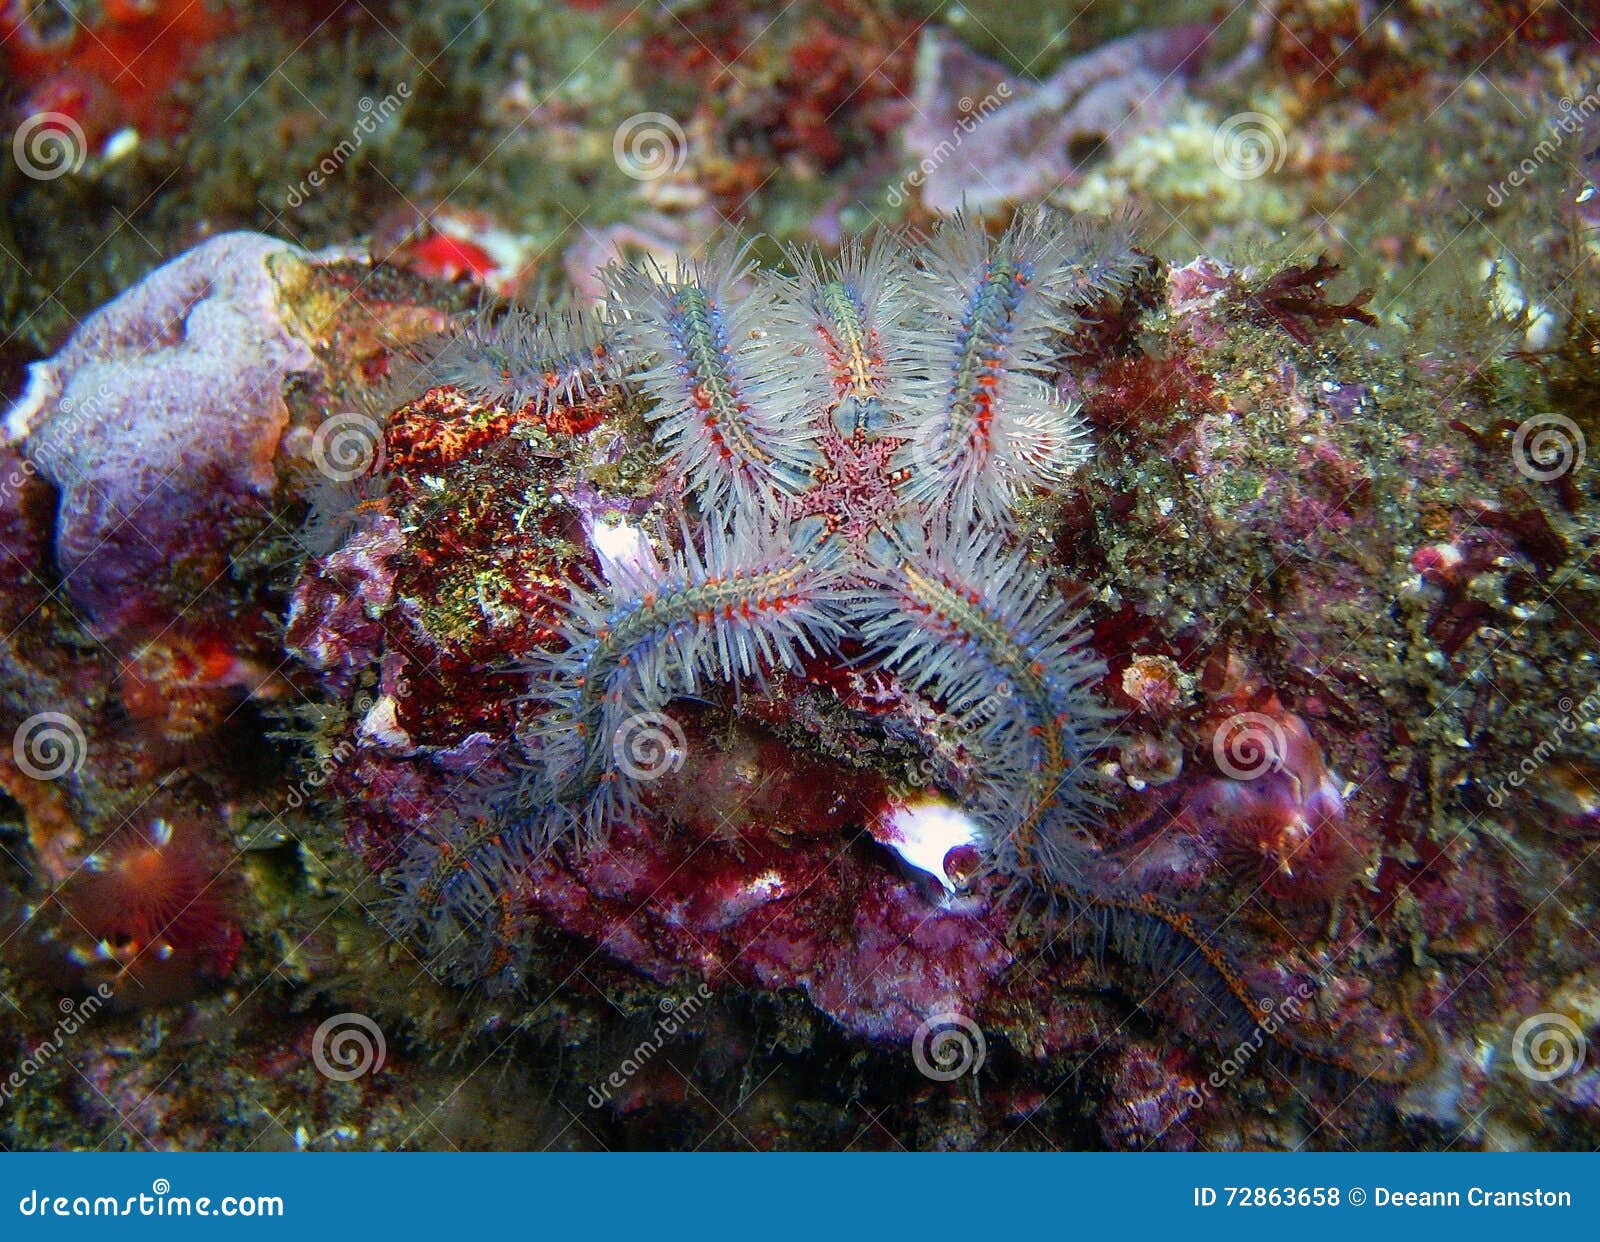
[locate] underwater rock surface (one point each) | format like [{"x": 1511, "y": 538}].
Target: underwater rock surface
[
  {"x": 1036, "y": 678},
  {"x": 1270, "y": 874}
]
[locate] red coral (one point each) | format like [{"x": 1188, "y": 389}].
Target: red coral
[
  {"x": 832, "y": 68},
  {"x": 1339, "y": 48},
  {"x": 442, "y": 427},
  {"x": 443, "y": 257},
  {"x": 1517, "y": 541}
]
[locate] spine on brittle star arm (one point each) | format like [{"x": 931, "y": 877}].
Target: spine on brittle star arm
[
  {"x": 733, "y": 404},
  {"x": 1183, "y": 960},
  {"x": 970, "y": 625},
  {"x": 732, "y": 612},
  {"x": 1187, "y": 963},
  {"x": 456, "y": 891},
  {"x": 520, "y": 358},
  {"x": 989, "y": 425},
  {"x": 855, "y": 314}
]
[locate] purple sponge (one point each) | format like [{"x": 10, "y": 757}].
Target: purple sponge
[{"x": 158, "y": 421}]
